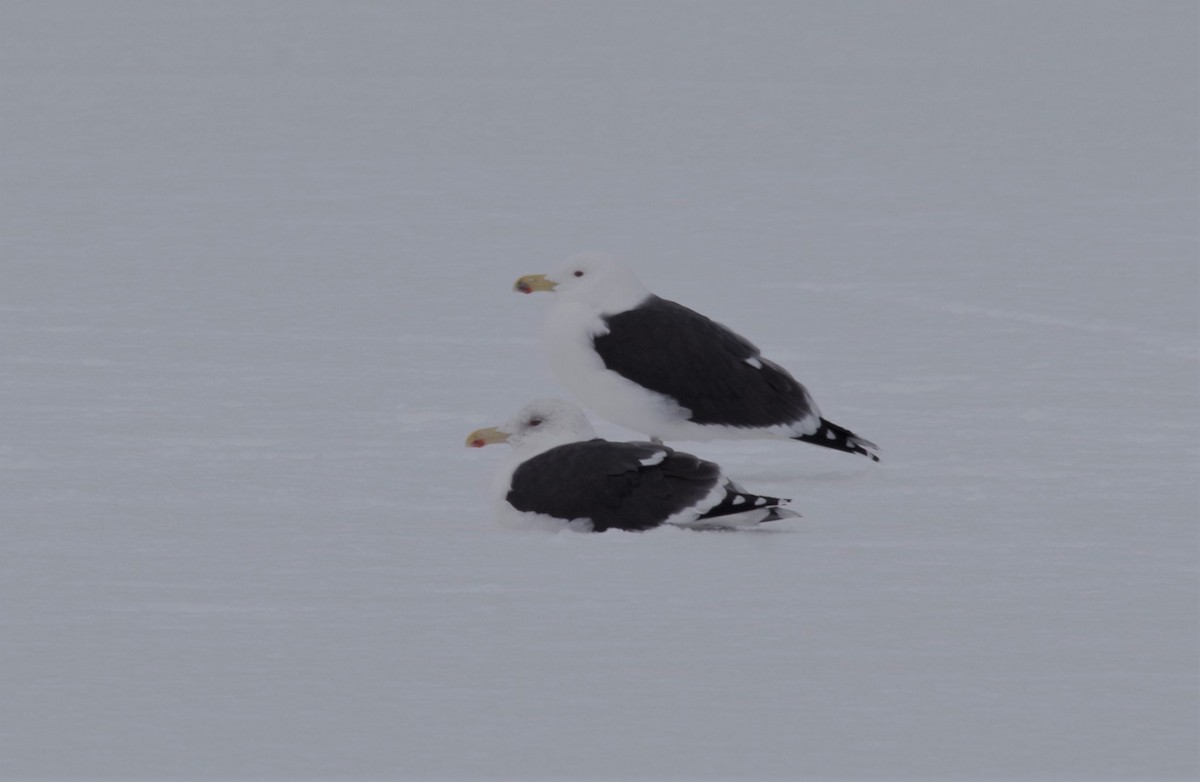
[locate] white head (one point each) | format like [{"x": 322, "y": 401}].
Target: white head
[
  {"x": 538, "y": 426},
  {"x": 601, "y": 282}
]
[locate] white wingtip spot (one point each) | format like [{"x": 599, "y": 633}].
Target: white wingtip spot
[
  {"x": 761, "y": 501},
  {"x": 754, "y": 362},
  {"x": 830, "y": 435},
  {"x": 738, "y": 500}
]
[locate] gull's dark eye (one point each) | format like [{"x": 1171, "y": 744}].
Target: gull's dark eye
[
  {"x": 578, "y": 273},
  {"x": 535, "y": 421}
]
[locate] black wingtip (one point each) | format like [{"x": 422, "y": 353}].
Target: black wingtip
[
  {"x": 737, "y": 502},
  {"x": 839, "y": 438}
]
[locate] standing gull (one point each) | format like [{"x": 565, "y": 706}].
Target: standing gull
[
  {"x": 560, "y": 472},
  {"x": 662, "y": 369}
]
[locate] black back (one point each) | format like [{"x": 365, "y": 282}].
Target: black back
[
  {"x": 606, "y": 482},
  {"x": 668, "y": 348}
]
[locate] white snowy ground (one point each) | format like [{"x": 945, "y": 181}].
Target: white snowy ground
[{"x": 256, "y": 269}]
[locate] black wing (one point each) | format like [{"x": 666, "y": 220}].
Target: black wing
[
  {"x": 705, "y": 367},
  {"x": 607, "y": 483}
]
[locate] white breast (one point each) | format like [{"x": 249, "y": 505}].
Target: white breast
[{"x": 568, "y": 334}]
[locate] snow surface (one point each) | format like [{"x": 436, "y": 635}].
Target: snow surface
[{"x": 255, "y": 291}]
